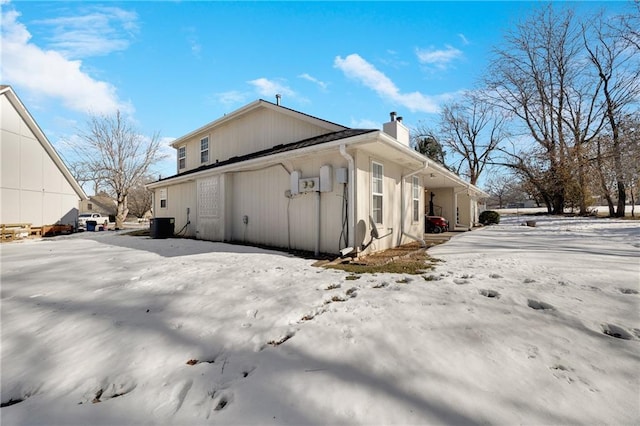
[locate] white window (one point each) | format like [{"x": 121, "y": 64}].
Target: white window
[
  {"x": 204, "y": 150},
  {"x": 376, "y": 192},
  {"x": 182, "y": 157},
  {"x": 163, "y": 198},
  {"x": 416, "y": 199}
]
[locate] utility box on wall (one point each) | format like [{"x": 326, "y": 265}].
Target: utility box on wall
[
  {"x": 341, "y": 175},
  {"x": 294, "y": 181},
  {"x": 326, "y": 179}
]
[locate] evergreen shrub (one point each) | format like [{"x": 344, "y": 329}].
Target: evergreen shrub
[{"x": 489, "y": 217}]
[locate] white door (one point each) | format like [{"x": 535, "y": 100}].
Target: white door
[{"x": 210, "y": 207}]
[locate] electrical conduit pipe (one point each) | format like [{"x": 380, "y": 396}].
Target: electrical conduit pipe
[{"x": 351, "y": 223}]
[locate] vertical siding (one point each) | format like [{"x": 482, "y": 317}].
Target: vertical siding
[
  {"x": 305, "y": 221},
  {"x": 259, "y": 195},
  {"x": 33, "y": 189},
  {"x": 274, "y": 219},
  {"x": 179, "y": 198}
]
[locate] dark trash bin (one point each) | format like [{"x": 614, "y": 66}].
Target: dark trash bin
[
  {"x": 162, "y": 227},
  {"x": 91, "y": 225}
]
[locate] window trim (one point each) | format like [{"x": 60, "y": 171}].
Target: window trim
[
  {"x": 415, "y": 199},
  {"x": 162, "y": 195},
  {"x": 375, "y": 194},
  {"x": 182, "y": 157},
  {"x": 203, "y": 151}
]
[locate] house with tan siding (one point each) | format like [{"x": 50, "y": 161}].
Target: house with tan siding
[
  {"x": 269, "y": 175},
  {"x": 36, "y": 187}
]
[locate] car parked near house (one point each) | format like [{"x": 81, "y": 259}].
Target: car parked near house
[
  {"x": 435, "y": 224},
  {"x": 97, "y": 217}
]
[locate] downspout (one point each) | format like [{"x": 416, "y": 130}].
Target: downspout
[
  {"x": 318, "y": 210},
  {"x": 402, "y": 208},
  {"x": 351, "y": 223}
]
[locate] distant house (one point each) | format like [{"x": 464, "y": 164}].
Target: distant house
[
  {"x": 267, "y": 174},
  {"x": 36, "y": 186},
  {"x": 100, "y": 203}
]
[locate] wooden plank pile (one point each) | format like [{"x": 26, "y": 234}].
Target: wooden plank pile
[
  {"x": 14, "y": 231},
  {"x": 17, "y": 231}
]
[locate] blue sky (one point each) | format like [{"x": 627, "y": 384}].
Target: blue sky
[{"x": 172, "y": 67}]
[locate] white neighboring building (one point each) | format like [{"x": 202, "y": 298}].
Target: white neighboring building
[{"x": 35, "y": 185}]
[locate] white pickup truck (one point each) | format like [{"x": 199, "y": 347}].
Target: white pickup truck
[{"x": 97, "y": 217}]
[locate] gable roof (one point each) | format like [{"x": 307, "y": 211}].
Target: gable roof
[
  {"x": 278, "y": 149},
  {"x": 104, "y": 202},
  {"x": 8, "y": 92},
  {"x": 260, "y": 103}
]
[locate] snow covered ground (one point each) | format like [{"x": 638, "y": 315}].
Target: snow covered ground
[{"x": 510, "y": 328}]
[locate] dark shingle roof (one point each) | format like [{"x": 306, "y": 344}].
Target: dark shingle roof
[{"x": 316, "y": 140}]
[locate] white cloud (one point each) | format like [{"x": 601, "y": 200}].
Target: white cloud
[
  {"x": 464, "y": 40},
  {"x": 269, "y": 88},
  {"x": 440, "y": 58},
  {"x": 231, "y": 97},
  {"x": 99, "y": 32},
  {"x": 194, "y": 41},
  {"x": 48, "y": 73},
  {"x": 166, "y": 166},
  {"x": 355, "y": 67},
  {"x": 364, "y": 124},
  {"x": 312, "y": 79}
]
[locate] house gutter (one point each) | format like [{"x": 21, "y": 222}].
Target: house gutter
[
  {"x": 402, "y": 205},
  {"x": 352, "y": 195}
]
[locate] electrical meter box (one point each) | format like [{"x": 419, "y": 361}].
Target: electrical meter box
[{"x": 309, "y": 185}]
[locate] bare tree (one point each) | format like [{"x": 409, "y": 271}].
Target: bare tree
[
  {"x": 119, "y": 155},
  {"x": 538, "y": 76},
  {"x": 140, "y": 198},
  {"x": 617, "y": 67},
  {"x": 503, "y": 189},
  {"x": 630, "y": 28},
  {"x": 472, "y": 129},
  {"x": 84, "y": 175}
]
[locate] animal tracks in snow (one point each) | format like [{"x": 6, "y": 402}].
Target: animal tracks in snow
[
  {"x": 212, "y": 397},
  {"x": 563, "y": 372},
  {"x": 540, "y": 306},
  {"x": 618, "y": 332},
  {"x": 609, "y": 329},
  {"x": 109, "y": 390},
  {"x": 492, "y": 294}
]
